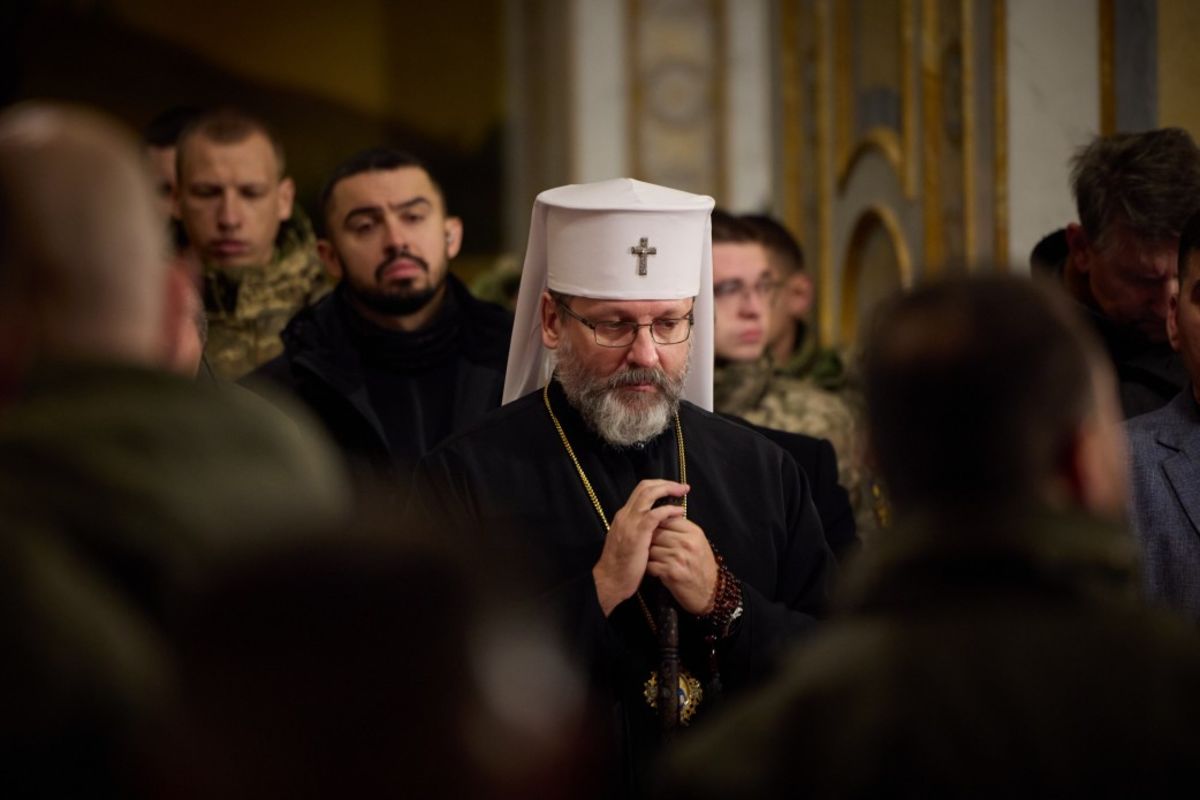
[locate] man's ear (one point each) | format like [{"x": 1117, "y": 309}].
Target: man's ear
[
  {"x": 1068, "y": 487},
  {"x": 1091, "y": 465},
  {"x": 454, "y": 236},
  {"x": 287, "y": 196},
  {"x": 329, "y": 257},
  {"x": 798, "y": 295},
  {"x": 1079, "y": 248},
  {"x": 551, "y": 322},
  {"x": 179, "y": 305}
]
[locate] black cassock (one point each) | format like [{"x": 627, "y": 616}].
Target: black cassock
[{"x": 511, "y": 481}]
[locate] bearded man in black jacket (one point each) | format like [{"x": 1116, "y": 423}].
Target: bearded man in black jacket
[{"x": 400, "y": 355}]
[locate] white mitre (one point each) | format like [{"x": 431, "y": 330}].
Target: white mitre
[{"x": 615, "y": 240}]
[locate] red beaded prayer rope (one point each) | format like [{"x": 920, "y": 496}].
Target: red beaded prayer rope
[{"x": 727, "y": 598}]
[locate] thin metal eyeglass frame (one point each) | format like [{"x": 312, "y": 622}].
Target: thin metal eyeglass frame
[{"x": 635, "y": 326}]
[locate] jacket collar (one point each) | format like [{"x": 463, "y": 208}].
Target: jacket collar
[
  {"x": 933, "y": 555},
  {"x": 739, "y": 386},
  {"x": 1180, "y": 430}
]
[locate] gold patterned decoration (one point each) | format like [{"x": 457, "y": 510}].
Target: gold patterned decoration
[{"x": 676, "y": 84}]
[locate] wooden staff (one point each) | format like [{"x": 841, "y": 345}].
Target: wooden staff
[{"x": 668, "y": 663}]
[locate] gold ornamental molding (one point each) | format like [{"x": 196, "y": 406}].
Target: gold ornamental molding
[
  {"x": 877, "y": 140},
  {"x": 791, "y": 89},
  {"x": 897, "y": 146},
  {"x": 969, "y": 122},
  {"x": 934, "y": 256},
  {"x": 1108, "y": 98},
  {"x": 824, "y": 161},
  {"x": 1000, "y": 114},
  {"x": 885, "y": 218}
]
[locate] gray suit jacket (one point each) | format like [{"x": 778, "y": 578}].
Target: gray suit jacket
[{"x": 1165, "y": 450}]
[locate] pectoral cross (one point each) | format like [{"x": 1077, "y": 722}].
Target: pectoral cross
[{"x": 642, "y": 250}]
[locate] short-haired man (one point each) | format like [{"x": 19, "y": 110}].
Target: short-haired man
[
  {"x": 1133, "y": 192},
  {"x": 642, "y": 508},
  {"x": 237, "y": 206},
  {"x": 160, "y": 137},
  {"x": 992, "y": 643},
  {"x": 400, "y": 355},
  {"x": 745, "y": 383},
  {"x": 790, "y": 342},
  {"x": 1165, "y": 446}
]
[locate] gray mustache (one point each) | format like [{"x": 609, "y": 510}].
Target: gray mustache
[{"x": 639, "y": 375}]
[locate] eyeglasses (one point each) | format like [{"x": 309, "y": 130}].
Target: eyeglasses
[
  {"x": 668, "y": 330},
  {"x": 725, "y": 290}
]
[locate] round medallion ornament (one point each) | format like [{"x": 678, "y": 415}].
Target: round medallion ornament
[{"x": 691, "y": 693}]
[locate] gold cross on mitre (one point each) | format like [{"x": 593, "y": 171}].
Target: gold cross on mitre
[{"x": 642, "y": 250}]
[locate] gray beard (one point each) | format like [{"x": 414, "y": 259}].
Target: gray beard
[{"x": 623, "y": 419}]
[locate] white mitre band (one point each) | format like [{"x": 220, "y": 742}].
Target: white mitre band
[{"x": 619, "y": 239}]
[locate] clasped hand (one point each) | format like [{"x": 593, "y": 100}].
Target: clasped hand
[{"x": 659, "y": 541}]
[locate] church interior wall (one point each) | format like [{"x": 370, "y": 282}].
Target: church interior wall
[
  {"x": 1054, "y": 108},
  {"x": 331, "y": 79},
  {"x": 751, "y": 121},
  {"x": 957, "y": 116},
  {"x": 600, "y": 91}
]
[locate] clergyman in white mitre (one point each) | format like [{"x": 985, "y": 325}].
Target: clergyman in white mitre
[
  {"x": 619, "y": 240},
  {"x": 605, "y": 466}
]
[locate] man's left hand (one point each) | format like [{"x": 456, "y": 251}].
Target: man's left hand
[{"x": 681, "y": 557}]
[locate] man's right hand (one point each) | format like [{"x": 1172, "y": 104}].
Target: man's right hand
[{"x": 622, "y": 563}]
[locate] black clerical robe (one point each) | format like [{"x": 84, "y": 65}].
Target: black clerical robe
[{"x": 510, "y": 480}]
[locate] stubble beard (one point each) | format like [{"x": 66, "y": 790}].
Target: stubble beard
[
  {"x": 618, "y": 416},
  {"x": 400, "y": 300}
]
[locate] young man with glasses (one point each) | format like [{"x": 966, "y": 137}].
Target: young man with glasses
[
  {"x": 745, "y": 381},
  {"x": 634, "y": 504}
]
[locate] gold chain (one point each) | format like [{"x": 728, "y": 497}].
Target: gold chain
[{"x": 591, "y": 493}]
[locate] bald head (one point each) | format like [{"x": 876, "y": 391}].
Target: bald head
[{"x": 82, "y": 267}]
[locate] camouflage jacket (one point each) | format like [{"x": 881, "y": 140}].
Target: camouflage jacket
[
  {"x": 826, "y": 367},
  {"x": 752, "y": 390},
  {"x": 248, "y": 307}
]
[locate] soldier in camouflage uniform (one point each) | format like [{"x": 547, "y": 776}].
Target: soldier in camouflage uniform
[
  {"x": 746, "y": 383},
  {"x": 257, "y": 248},
  {"x": 249, "y": 308},
  {"x": 794, "y": 352}
]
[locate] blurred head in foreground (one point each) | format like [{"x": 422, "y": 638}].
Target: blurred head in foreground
[
  {"x": 989, "y": 390},
  {"x": 84, "y": 274}
]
